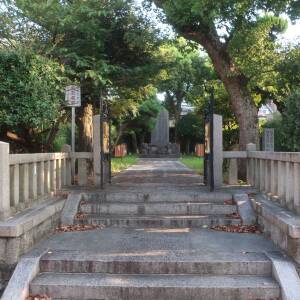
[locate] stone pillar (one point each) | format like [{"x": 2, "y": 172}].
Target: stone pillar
[
  {"x": 281, "y": 181},
  {"x": 14, "y": 185},
  {"x": 250, "y": 165},
  {"x": 82, "y": 172},
  {"x": 24, "y": 183},
  {"x": 218, "y": 150},
  {"x": 274, "y": 180},
  {"x": 233, "y": 171},
  {"x": 33, "y": 181},
  {"x": 96, "y": 150},
  {"x": 289, "y": 181},
  {"x": 41, "y": 178},
  {"x": 67, "y": 165},
  {"x": 296, "y": 189},
  {"x": 4, "y": 181}
]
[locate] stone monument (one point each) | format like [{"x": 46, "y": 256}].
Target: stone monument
[
  {"x": 160, "y": 134},
  {"x": 268, "y": 139},
  {"x": 160, "y": 145}
]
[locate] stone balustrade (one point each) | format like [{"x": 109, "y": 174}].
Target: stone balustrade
[
  {"x": 26, "y": 178},
  {"x": 278, "y": 175}
]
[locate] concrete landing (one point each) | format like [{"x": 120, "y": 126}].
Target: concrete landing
[{"x": 153, "y": 241}]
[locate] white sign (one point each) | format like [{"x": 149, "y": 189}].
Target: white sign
[{"x": 73, "y": 96}]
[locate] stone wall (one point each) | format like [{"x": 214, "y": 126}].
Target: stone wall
[{"x": 20, "y": 233}]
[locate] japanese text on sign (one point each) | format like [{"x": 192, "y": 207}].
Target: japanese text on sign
[{"x": 73, "y": 96}]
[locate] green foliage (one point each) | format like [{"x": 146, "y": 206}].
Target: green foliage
[
  {"x": 190, "y": 127},
  {"x": 119, "y": 164},
  {"x": 31, "y": 94},
  {"x": 291, "y": 121},
  {"x": 193, "y": 162}
]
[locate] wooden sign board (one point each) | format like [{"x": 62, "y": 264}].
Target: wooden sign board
[
  {"x": 207, "y": 138},
  {"x": 73, "y": 96},
  {"x": 106, "y": 137}
]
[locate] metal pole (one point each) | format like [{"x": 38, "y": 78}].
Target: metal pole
[
  {"x": 110, "y": 150},
  {"x": 73, "y": 145}
]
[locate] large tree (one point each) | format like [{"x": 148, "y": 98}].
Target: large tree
[
  {"x": 100, "y": 43},
  {"x": 232, "y": 31},
  {"x": 184, "y": 70}
]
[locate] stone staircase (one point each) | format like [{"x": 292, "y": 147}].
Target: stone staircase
[
  {"x": 174, "y": 275},
  {"x": 169, "y": 210},
  {"x": 156, "y": 274}
]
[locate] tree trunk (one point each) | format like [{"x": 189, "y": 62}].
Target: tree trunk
[
  {"x": 134, "y": 142},
  {"x": 235, "y": 83},
  {"x": 85, "y": 128}
]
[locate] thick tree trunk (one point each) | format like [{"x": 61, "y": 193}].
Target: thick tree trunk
[
  {"x": 134, "y": 143},
  {"x": 85, "y": 128},
  {"x": 235, "y": 83}
]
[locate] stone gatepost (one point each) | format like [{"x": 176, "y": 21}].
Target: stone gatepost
[
  {"x": 4, "y": 181},
  {"x": 96, "y": 150},
  {"x": 218, "y": 150}
]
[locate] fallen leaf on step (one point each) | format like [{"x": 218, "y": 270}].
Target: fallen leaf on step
[
  {"x": 38, "y": 297},
  {"x": 78, "y": 227},
  {"x": 80, "y": 216},
  {"x": 237, "y": 228},
  {"x": 229, "y": 202}
]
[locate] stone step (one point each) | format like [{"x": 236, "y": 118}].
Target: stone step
[
  {"x": 86, "y": 286},
  {"x": 159, "y": 195},
  {"x": 159, "y": 208},
  {"x": 172, "y": 262},
  {"x": 158, "y": 221}
]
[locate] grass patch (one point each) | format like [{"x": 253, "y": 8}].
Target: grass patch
[
  {"x": 193, "y": 162},
  {"x": 119, "y": 164}
]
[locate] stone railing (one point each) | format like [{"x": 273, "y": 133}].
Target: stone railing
[
  {"x": 25, "y": 178},
  {"x": 233, "y": 157},
  {"x": 278, "y": 175}
]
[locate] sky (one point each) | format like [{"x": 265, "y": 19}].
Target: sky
[{"x": 292, "y": 35}]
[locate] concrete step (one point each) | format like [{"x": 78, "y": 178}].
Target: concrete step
[
  {"x": 158, "y": 221},
  {"x": 172, "y": 262},
  {"x": 159, "y": 195},
  {"x": 159, "y": 208},
  {"x": 149, "y": 287}
]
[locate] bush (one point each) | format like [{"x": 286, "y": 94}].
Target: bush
[{"x": 291, "y": 122}]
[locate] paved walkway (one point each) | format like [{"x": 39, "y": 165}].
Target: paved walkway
[{"x": 158, "y": 175}]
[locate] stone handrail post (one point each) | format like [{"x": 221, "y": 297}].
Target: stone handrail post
[
  {"x": 4, "y": 181},
  {"x": 250, "y": 164}
]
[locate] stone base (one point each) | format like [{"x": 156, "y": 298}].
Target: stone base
[
  {"x": 21, "y": 232},
  {"x": 157, "y": 151},
  {"x": 280, "y": 225}
]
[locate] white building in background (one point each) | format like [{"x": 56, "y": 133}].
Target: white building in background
[
  {"x": 186, "y": 109},
  {"x": 267, "y": 111}
]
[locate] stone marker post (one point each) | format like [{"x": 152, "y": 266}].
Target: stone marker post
[
  {"x": 268, "y": 139},
  {"x": 96, "y": 150},
  {"x": 4, "y": 181}
]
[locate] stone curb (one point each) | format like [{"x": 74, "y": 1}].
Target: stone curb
[
  {"x": 285, "y": 273},
  {"x": 26, "y": 270},
  {"x": 245, "y": 209},
  {"x": 70, "y": 209}
]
